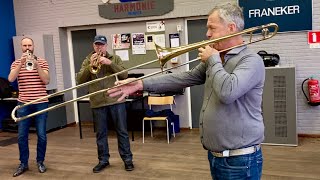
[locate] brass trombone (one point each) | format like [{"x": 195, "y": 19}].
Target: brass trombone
[{"x": 168, "y": 53}]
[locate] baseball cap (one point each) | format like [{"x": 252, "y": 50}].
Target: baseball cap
[{"x": 100, "y": 39}]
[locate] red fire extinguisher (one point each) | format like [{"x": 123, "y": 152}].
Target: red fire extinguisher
[{"x": 313, "y": 91}]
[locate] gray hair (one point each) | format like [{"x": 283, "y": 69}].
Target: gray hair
[{"x": 230, "y": 13}]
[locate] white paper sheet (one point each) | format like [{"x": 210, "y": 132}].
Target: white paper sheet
[{"x": 124, "y": 54}]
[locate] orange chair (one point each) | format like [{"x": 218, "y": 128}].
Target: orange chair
[{"x": 155, "y": 100}]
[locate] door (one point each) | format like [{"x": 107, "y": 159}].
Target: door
[
  {"x": 82, "y": 46},
  {"x": 196, "y": 32}
]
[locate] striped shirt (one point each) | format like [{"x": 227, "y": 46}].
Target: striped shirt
[{"x": 31, "y": 87}]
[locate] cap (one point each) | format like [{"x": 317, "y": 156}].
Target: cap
[{"x": 100, "y": 39}]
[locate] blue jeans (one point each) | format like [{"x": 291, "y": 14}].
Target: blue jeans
[
  {"x": 101, "y": 117},
  {"x": 23, "y": 131},
  {"x": 244, "y": 167}
]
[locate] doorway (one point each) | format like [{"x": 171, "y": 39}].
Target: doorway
[
  {"x": 82, "y": 46},
  {"x": 196, "y": 32}
]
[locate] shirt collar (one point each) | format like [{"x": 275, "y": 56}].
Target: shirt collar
[
  {"x": 233, "y": 52},
  {"x": 236, "y": 50}
]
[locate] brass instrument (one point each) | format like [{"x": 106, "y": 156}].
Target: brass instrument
[
  {"x": 95, "y": 66},
  {"x": 29, "y": 60},
  {"x": 170, "y": 53}
]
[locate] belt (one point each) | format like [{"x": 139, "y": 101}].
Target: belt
[{"x": 237, "y": 152}]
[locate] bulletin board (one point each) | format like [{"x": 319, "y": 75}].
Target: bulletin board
[
  {"x": 138, "y": 27},
  {"x": 137, "y": 59}
]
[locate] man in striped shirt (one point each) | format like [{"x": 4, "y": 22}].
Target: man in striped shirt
[{"x": 33, "y": 76}]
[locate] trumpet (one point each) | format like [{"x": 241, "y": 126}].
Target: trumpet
[
  {"x": 169, "y": 54},
  {"x": 29, "y": 60},
  {"x": 95, "y": 65}
]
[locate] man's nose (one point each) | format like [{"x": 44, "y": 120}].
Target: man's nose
[{"x": 208, "y": 34}]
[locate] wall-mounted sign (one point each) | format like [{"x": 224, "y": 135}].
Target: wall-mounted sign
[
  {"x": 140, "y": 8},
  {"x": 314, "y": 39},
  {"x": 290, "y": 15},
  {"x": 155, "y": 26}
]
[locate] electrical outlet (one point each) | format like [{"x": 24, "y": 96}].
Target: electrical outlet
[{"x": 179, "y": 28}]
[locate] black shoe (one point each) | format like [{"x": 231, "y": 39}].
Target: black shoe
[
  {"x": 41, "y": 167},
  {"x": 129, "y": 166},
  {"x": 21, "y": 169},
  {"x": 99, "y": 167}
]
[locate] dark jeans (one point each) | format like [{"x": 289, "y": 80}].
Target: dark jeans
[
  {"x": 244, "y": 167},
  {"x": 23, "y": 131},
  {"x": 119, "y": 117}
]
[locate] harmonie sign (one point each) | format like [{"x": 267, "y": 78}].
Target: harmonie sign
[
  {"x": 137, "y": 8},
  {"x": 314, "y": 39},
  {"x": 290, "y": 15}
]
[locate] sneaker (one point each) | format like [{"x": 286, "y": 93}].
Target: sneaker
[
  {"x": 99, "y": 167},
  {"x": 129, "y": 166},
  {"x": 20, "y": 170},
  {"x": 41, "y": 167}
]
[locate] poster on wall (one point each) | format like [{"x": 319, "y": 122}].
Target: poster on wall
[
  {"x": 174, "y": 40},
  {"x": 150, "y": 43},
  {"x": 138, "y": 43},
  {"x": 124, "y": 54},
  {"x": 126, "y": 40},
  {"x": 120, "y": 41},
  {"x": 290, "y": 15},
  {"x": 155, "y": 26},
  {"x": 160, "y": 40},
  {"x": 115, "y": 41}
]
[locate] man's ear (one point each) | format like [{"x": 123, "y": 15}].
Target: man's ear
[{"x": 232, "y": 27}]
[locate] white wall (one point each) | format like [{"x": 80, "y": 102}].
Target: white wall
[{"x": 46, "y": 16}]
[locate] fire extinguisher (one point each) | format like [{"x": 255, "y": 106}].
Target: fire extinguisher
[{"x": 313, "y": 91}]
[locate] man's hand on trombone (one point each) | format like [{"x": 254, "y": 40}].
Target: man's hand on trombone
[
  {"x": 206, "y": 52},
  {"x": 125, "y": 88}
]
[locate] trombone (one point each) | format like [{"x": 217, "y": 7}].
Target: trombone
[{"x": 168, "y": 53}]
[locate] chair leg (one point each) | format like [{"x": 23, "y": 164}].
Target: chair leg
[
  {"x": 174, "y": 133},
  {"x": 142, "y": 131},
  {"x": 151, "y": 129},
  {"x": 167, "y": 131}
]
